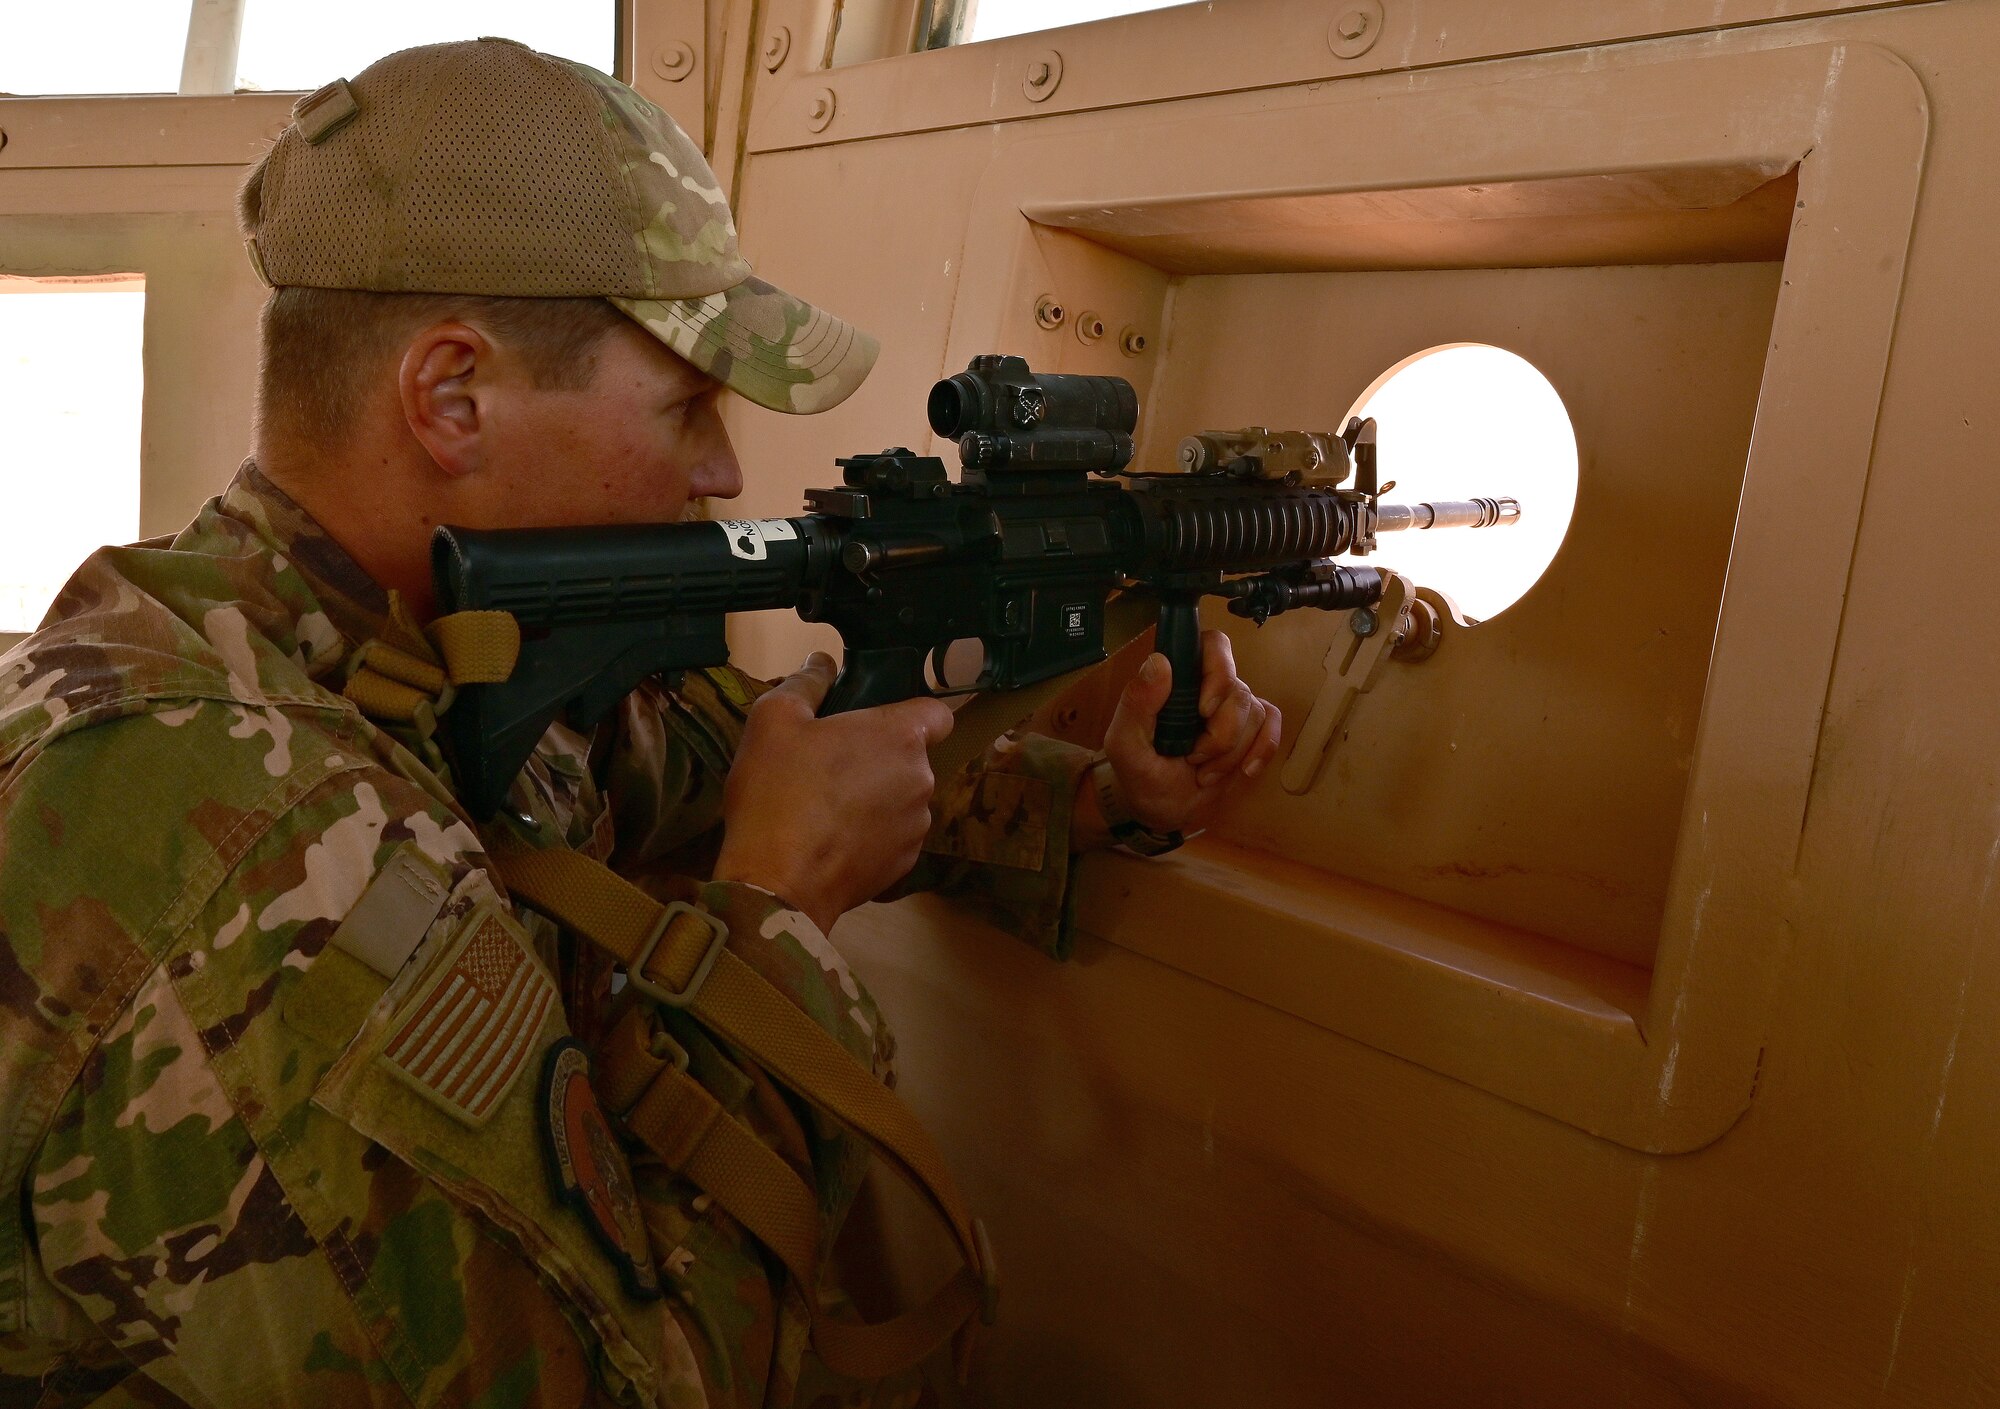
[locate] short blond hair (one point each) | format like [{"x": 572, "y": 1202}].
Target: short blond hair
[{"x": 323, "y": 347}]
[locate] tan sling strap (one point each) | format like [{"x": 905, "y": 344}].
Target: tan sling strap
[
  {"x": 408, "y": 673},
  {"x": 677, "y": 955},
  {"x": 642, "y": 1076}
]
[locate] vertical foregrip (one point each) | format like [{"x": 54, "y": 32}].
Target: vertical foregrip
[{"x": 1179, "y": 640}]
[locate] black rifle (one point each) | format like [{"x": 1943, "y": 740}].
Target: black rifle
[{"x": 1021, "y": 554}]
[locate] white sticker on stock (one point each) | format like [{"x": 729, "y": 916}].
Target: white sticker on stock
[{"x": 748, "y": 537}]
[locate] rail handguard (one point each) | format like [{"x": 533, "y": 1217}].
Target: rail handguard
[{"x": 1020, "y": 553}]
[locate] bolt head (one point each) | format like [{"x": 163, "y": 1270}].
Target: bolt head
[
  {"x": 673, "y": 62},
  {"x": 1042, "y": 75},
  {"x": 777, "y": 48},
  {"x": 1355, "y": 32}
]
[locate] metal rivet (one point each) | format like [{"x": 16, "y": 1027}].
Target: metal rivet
[
  {"x": 820, "y": 114},
  {"x": 776, "y": 48},
  {"x": 1043, "y": 76},
  {"x": 1049, "y": 313},
  {"x": 673, "y": 62},
  {"x": 1089, "y": 326},
  {"x": 1133, "y": 341},
  {"x": 1354, "y": 33}
]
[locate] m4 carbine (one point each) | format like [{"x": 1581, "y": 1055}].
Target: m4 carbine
[{"x": 1021, "y": 553}]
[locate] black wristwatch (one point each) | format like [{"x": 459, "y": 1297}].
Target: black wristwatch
[{"x": 1126, "y": 830}]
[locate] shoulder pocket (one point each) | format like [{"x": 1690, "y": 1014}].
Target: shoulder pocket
[{"x": 445, "y": 1074}]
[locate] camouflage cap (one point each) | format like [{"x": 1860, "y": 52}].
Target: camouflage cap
[{"x": 483, "y": 167}]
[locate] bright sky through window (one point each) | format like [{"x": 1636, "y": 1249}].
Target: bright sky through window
[
  {"x": 288, "y": 46},
  {"x": 70, "y": 388},
  {"x": 996, "y": 19},
  {"x": 93, "y": 46},
  {"x": 1466, "y": 421},
  {"x": 136, "y": 46}
]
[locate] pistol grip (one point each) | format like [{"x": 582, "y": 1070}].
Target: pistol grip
[
  {"x": 877, "y": 676},
  {"x": 1179, "y": 640}
]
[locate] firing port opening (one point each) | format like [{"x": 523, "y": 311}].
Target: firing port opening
[{"x": 1457, "y": 422}]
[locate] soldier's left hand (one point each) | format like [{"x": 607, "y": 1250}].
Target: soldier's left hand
[{"x": 1239, "y": 739}]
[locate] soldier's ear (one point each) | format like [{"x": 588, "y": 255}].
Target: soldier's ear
[{"x": 440, "y": 386}]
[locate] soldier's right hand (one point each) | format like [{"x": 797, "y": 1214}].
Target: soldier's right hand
[{"x": 828, "y": 813}]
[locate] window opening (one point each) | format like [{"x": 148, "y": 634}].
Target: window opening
[
  {"x": 70, "y": 389},
  {"x": 998, "y": 19},
  {"x": 143, "y": 46},
  {"x": 287, "y": 46},
  {"x": 94, "y": 46},
  {"x": 1461, "y": 421}
]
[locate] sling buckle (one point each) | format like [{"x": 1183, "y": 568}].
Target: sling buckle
[{"x": 635, "y": 972}]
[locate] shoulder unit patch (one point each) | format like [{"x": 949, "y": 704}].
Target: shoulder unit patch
[{"x": 588, "y": 1169}]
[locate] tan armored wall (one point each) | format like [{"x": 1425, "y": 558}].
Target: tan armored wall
[{"x": 1609, "y": 1024}]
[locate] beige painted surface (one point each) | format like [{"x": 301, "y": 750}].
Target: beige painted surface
[
  {"x": 1278, "y": 1139},
  {"x": 1352, "y": 1103},
  {"x": 1669, "y": 1071}
]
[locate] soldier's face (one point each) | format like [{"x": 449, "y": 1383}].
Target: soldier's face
[{"x": 634, "y": 446}]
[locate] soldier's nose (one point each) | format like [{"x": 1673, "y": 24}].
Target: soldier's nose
[{"x": 718, "y": 477}]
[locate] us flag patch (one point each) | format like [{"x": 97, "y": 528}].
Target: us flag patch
[{"x": 465, "y": 1040}]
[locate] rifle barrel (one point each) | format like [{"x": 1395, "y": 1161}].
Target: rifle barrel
[{"x": 1452, "y": 513}]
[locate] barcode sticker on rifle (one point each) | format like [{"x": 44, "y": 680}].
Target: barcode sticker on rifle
[{"x": 748, "y": 537}]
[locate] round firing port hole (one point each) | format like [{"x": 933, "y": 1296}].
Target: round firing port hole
[{"x": 1463, "y": 421}]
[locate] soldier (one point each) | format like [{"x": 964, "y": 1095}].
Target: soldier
[{"x": 303, "y": 1103}]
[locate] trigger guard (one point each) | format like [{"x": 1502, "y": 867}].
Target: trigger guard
[{"x": 940, "y": 684}]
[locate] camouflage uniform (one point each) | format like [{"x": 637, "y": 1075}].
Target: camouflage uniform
[{"x": 233, "y": 1184}]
